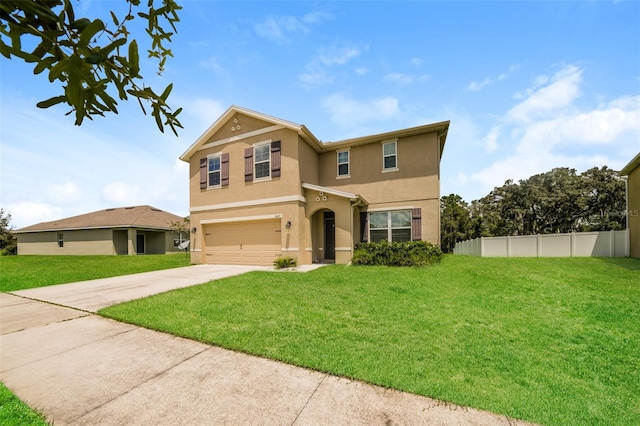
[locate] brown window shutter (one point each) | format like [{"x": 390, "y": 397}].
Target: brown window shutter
[
  {"x": 364, "y": 227},
  {"x": 224, "y": 169},
  {"x": 416, "y": 224},
  {"x": 248, "y": 164},
  {"x": 203, "y": 173},
  {"x": 275, "y": 159}
]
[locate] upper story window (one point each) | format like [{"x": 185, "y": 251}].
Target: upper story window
[
  {"x": 262, "y": 160},
  {"x": 214, "y": 170},
  {"x": 390, "y": 156},
  {"x": 343, "y": 163}
]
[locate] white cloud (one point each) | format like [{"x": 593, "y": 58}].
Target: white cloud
[
  {"x": 562, "y": 89},
  {"x": 402, "y": 78},
  {"x": 326, "y": 57},
  {"x": 64, "y": 193},
  {"x": 475, "y": 86},
  {"x": 362, "y": 71},
  {"x": 347, "y": 112},
  {"x": 282, "y": 28},
  {"x": 122, "y": 193},
  {"x": 26, "y": 213},
  {"x": 315, "y": 78},
  {"x": 548, "y": 128},
  {"x": 205, "y": 110},
  {"x": 337, "y": 54}
]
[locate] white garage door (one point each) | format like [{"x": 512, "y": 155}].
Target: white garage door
[{"x": 243, "y": 243}]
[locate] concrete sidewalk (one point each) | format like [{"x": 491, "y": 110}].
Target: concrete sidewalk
[{"x": 82, "y": 369}]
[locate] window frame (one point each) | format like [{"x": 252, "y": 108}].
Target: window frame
[
  {"x": 385, "y": 156},
  {"x": 266, "y": 145},
  {"x": 219, "y": 171},
  {"x": 347, "y": 163},
  {"x": 390, "y": 228}
]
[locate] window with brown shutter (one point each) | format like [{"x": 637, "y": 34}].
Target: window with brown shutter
[
  {"x": 416, "y": 224},
  {"x": 225, "y": 169},
  {"x": 275, "y": 159},
  {"x": 248, "y": 164},
  {"x": 203, "y": 173}
]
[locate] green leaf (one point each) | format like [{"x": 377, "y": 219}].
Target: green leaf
[
  {"x": 115, "y": 18},
  {"x": 89, "y": 32},
  {"x": 44, "y": 64},
  {"x": 51, "y": 102},
  {"x": 58, "y": 69},
  {"x": 134, "y": 59},
  {"x": 94, "y": 59},
  {"x": 166, "y": 92},
  {"x": 80, "y": 24},
  {"x": 68, "y": 8}
]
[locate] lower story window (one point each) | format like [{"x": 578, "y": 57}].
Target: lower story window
[
  {"x": 390, "y": 226},
  {"x": 60, "y": 239}
]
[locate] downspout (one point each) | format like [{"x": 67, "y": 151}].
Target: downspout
[
  {"x": 627, "y": 245},
  {"x": 358, "y": 203},
  {"x": 440, "y": 136}
]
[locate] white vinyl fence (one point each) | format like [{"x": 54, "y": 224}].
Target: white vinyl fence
[{"x": 575, "y": 244}]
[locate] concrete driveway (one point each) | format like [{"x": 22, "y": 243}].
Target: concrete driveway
[{"x": 82, "y": 369}]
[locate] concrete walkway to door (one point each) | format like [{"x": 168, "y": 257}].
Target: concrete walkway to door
[{"x": 81, "y": 369}]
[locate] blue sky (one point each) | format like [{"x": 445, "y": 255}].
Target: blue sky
[{"x": 527, "y": 86}]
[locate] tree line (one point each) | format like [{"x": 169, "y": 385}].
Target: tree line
[{"x": 557, "y": 201}]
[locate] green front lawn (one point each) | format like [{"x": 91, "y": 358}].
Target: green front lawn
[
  {"x": 14, "y": 412},
  {"x": 21, "y": 272},
  {"x": 553, "y": 341}
]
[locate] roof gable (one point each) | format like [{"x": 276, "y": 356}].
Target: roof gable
[
  {"x": 122, "y": 217},
  {"x": 238, "y": 123},
  {"x": 231, "y": 127}
]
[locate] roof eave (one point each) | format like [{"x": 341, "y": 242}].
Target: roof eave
[
  {"x": 441, "y": 128},
  {"x": 217, "y": 125},
  {"x": 633, "y": 164}
]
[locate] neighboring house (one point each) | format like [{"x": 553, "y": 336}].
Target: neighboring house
[
  {"x": 632, "y": 171},
  {"x": 116, "y": 231},
  {"x": 262, "y": 187}
]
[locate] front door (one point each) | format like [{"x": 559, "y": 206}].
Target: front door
[
  {"x": 140, "y": 244},
  {"x": 329, "y": 236}
]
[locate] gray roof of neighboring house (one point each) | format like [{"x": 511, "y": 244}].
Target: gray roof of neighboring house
[{"x": 121, "y": 217}]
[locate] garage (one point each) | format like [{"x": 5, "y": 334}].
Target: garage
[{"x": 243, "y": 243}]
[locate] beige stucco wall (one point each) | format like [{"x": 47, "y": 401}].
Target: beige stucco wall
[
  {"x": 238, "y": 190},
  {"x": 94, "y": 242},
  {"x": 81, "y": 242},
  {"x": 634, "y": 213},
  {"x": 415, "y": 184}
]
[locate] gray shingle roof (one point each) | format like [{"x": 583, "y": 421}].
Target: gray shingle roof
[{"x": 121, "y": 217}]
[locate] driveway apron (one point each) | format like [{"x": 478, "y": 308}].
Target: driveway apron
[{"x": 78, "y": 368}]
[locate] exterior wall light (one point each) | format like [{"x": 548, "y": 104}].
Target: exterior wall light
[{"x": 288, "y": 224}]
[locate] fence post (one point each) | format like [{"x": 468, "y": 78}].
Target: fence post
[
  {"x": 508, "y": 245},
  {"x": 612, "y": 244},
  {"x": 573, "y": 243}
]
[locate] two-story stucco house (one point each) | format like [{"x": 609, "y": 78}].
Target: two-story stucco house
[{"x": 262, "y": 187}]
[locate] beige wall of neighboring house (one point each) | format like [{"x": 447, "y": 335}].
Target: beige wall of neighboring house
[
  {"x": 260, "y": 183},
  {"x": 122, "y": 231},
  {"x": 632, "y": 171}
]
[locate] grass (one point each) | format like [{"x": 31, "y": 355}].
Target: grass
[
  {"x": 553, "y": 341},
  {"x": 22, "y": 272},
  {"x": 14, "y": 412}
]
